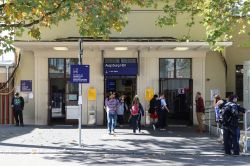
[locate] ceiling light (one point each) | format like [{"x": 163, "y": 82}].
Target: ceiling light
[
  {"x": 121, "y": 48},
  {"x": 181, "y": 48},
  {"x": 60, "y": 48}
]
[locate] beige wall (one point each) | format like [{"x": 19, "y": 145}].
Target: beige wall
[
  {"x": 215, "y": 74},
  {"x": 141, "y": 24},
  {"x": 26, "y": 72}
]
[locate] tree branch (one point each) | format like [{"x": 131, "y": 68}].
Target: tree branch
[{"x": 23, "y": 24}]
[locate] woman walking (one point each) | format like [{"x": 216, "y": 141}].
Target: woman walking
[{"x": 137, "y": 112}]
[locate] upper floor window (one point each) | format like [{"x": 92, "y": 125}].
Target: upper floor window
[
  {"x": 60, "y": 67},
  {"x": 175, "y": 68},
  {"x": 239, "y": 81}
]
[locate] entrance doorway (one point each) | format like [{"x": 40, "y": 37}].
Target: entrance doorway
[
  {"x": 178, "y": 94},
  {"x": 62, "y": 93},
  {"x": 121, "y": 85}
]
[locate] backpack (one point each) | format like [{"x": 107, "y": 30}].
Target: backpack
[
  {"x": 229, "y": 115},
  {"x": 135, "y": 109},
  {"x": 158, "y": 104}
]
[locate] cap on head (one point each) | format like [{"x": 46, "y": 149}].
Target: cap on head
[{"x": 16, "y": 94}]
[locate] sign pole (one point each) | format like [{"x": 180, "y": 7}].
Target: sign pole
[{"x": 80, "y": 93}]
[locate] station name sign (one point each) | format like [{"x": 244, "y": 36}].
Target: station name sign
[{"x": 120, "y": 69}]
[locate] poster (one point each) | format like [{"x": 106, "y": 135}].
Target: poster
[
  {"x": 149, "y": 94},
  {"x": 92, "y": 94}
]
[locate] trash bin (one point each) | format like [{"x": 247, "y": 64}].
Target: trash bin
[{"x": 91, "y": 117}]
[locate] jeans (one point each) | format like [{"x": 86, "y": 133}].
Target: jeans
[{"x": 111, "y": 117}]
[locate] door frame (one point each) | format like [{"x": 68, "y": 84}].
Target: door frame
[
  {"x": 190, "y": 119},
  {"x": 116, "y": 78}
]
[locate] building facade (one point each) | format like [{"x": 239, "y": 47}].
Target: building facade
[{"x": 151, "y": 60}]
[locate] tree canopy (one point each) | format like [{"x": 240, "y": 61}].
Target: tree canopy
[
  {"x": 221, "y": 18},
  {"x": 96, "y": 18}
]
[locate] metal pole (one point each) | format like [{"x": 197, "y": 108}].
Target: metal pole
[
  {"x": 209, "y": 120},
  {"x": 7, "y": 72},
  {"x": 80, "y": 94}
]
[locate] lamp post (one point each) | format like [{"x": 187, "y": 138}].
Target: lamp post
[{"x": 80, "y": 93}]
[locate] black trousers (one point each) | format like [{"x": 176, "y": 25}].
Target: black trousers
[
  {"x": 162, "y": 115},
  {"x": 18, "y": 114},
  {"x": 230, "y": 137}
]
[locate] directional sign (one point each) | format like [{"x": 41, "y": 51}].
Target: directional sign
[{"x": 79, "y": 73}]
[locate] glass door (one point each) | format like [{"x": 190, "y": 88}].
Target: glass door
[{"x": 178, "y": 94}]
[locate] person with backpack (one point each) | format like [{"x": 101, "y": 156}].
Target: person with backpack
[
  {"x": 137, "y": 112},
  {"x": 230, "y": 123},
  {"x": 17, "y": 105}
]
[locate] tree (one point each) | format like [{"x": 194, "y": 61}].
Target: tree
[
  {"x": 95, "y": 18},
  {"x": 221, "y": 18}
]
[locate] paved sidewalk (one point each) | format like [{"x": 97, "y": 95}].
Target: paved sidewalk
[{"x": 64, "y": 139}]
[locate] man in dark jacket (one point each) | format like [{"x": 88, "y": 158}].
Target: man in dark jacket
[{"x": 17, "y": 105}]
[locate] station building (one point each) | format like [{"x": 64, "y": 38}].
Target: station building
[{"x": 141, "y": 59}]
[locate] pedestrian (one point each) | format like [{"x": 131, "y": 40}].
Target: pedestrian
[
  {"x": 230, "y": 123},
  {"x": 153, "y": 110},
  {"x": 120, "y": 113},
  {"x": 111, "y": 105},
  {"x": 216, "y": 108},
  {"x": 17, "y": 105},
  {"x": 162, "y": 110},
  {"x": 137, "y": 112},
  {"x": 200, "y": 111}
]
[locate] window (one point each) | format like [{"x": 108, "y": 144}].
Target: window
[
  {"x": 58, "y": 67},
  {"x": 239, "y": 81},
  {"x": 175, "y": 68},
  {"x": 120, "y": 60}
]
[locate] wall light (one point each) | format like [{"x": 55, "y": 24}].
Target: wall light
[
  {"x": 181, "y": 48},
  {"x": 60, "y": 48},
  {"x": 121, "y": 48}
]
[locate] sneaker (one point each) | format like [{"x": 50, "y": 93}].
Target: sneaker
[{"x": 153, "y": 127}]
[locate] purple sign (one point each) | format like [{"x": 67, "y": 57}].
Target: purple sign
[
  {"x": 79, "y": 73},
  {"x": 120, "y": 69},
  {"x": 26, "y": 85}
]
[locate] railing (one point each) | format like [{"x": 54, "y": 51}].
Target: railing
[
  {"x": 209, "y": 119},
  {"x": 247, "y": 128}
]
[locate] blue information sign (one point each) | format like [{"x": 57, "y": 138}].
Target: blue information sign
[
  {"x": 111, "y": 85},
  {"x": 26, "y": 85},
  {"x": 79, "y": 73},
  {"x": 120, "y": 69}
]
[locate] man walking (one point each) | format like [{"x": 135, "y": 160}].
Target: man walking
[
  {"x": 200, "y": 111},
  {"x": 17, "y": 105}
]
